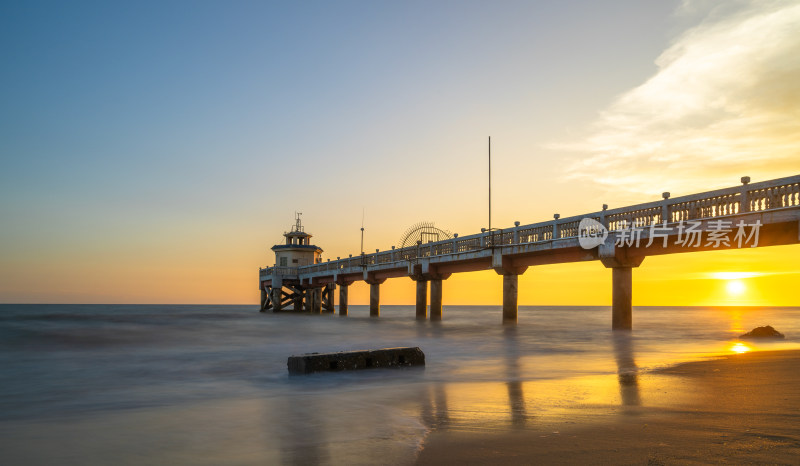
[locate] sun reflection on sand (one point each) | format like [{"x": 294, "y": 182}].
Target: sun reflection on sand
[
  {"x": 739, "y": 348},
  {"x": 539, "y": 402}
]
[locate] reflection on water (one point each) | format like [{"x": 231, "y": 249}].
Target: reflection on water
[
  {"x": 736, "y": 326},
  {"x": 434, "y": 412},
  {"x": 516, "y": 395},
  {"x": 628, "y": 373},
  {"x": 300, "y": 443},
  {"x": 486, "y": 406}
]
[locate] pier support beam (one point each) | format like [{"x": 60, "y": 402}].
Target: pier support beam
[
  {"x": 510, "y": 271},
  {"x": 343, "y": 299},
  {"x": 422, "y": 299},
  {"x": 510, "y": 299},
  {"x": 374, "y": 299},
  {"x": 316, "y": 300},
  {"x": 297, "y": 300},
  {"x": 436, "y": 299},
  {"x": 374, "y": 295},
  {"x": 309, "y": 300},
  {"x": 276, "y": 299},
  {"x": 422, "y": 274},
  {"x": 621, "y": 298},
  {"x": 621, "y": 265},
  {"x": 264, "y": 301},
  {"x": 327, "y": 297}
]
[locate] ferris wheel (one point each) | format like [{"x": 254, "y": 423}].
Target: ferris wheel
[{"x": 423, "y": 232}]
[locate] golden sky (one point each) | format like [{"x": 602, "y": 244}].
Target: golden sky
[{"x": 148, "y": 161}]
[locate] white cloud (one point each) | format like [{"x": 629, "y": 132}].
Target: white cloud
[{"x": 725, "y": 102}]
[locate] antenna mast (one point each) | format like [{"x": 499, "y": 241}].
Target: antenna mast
[
  {"x": 297, "y": 225},
  {"x": 362, "y": 231},
  {"x": 490, "y": 183}
]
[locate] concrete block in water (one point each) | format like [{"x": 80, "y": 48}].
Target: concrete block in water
[{"x": 354, "y": 360}]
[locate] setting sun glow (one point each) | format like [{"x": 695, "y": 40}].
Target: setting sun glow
[
  {"x": 734, "y": 275},
  {"x": 665, "y": 116},
  {"x": 735, "y": 287}
]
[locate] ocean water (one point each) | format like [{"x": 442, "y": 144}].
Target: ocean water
[{"x": 165, "y": 384}]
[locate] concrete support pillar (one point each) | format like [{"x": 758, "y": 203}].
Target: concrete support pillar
[
  {"x": 276, "y": 299},
  {"x": 621, "y": 263},
  {"x": 436, "y": 299},
  {"x": 263, "y": 305},
  {"x": 297, "y": 301},
  {"x": 374, "y": 300},
  {"x": 316, "y": 300},
  {"x": 621, "y": 298},
  {"x": 343, "y": 300},
  {"x": 327, "y": 297},
  {"x": 422, "y": 299},
  {"x": 510, "y": 299},
  {"x": 308, "y": 300}
]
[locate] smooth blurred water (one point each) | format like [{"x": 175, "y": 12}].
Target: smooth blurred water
[{"x": 82, "y": 384}]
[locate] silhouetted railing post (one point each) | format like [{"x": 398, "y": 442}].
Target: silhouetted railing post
[
  {"x": 555, "y": 226},
  {"x": 744, "y": 201}
]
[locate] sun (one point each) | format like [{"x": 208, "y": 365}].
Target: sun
[{"x": 735, "y": 287}]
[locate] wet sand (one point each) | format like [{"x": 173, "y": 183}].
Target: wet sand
[{"x": 739, "y": 409}]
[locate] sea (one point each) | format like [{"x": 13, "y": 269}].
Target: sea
[{"x": 191, "y": 384}]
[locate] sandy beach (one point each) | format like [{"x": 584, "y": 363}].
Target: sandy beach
[{"x": 738, "y": 409}]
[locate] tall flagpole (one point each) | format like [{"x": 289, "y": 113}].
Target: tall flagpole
[{"x": 362, "y": 231}]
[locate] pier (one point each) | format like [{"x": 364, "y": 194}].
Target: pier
[{"x": 741, "y": 217}]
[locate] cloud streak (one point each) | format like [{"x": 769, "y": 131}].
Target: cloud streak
[{"x": 725, "y": 102}]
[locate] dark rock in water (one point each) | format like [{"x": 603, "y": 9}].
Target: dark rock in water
[
  {"x": 763, "y": 332},
  {"x": 353, "y": 360}
]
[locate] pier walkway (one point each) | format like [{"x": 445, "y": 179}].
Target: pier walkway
[{"x": 741, "y": 217}]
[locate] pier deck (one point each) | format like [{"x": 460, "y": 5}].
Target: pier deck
[{"x": 741, "y": 217}]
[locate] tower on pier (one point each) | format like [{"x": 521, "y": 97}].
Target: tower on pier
[
  {"x": 298, "y": 250},
  {"x": 282, "y": 289}
]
